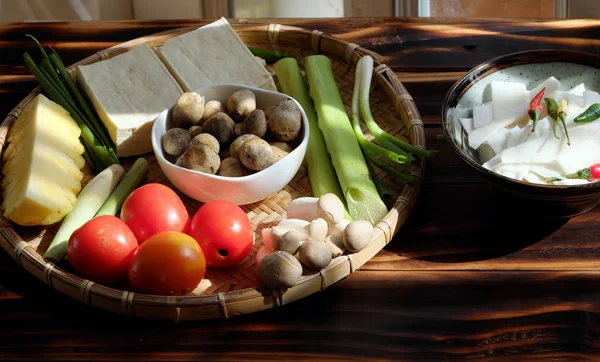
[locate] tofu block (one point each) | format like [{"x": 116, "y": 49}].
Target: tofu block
[
  {"x": 507, "y": 95},
  {"x": 482, "y": 115},
  {"x": 513, "y": 170},
  {"x": 497, "y": 141},
  {"x": 128, "y": 92},
  {"x": 534, "y": 178},
  {"x": 479, "y": 135},
  {"x": 551, "y": 84},
  {"x": 212, "y": 54},
  {"x": 578, "y": 89}
]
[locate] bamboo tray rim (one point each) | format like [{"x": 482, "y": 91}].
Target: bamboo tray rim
[{"x": 226, "y": 302}]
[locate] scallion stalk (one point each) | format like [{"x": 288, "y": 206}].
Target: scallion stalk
[
  {"x": 380, "y": 135},
  {"x": 362, "y": 197}
]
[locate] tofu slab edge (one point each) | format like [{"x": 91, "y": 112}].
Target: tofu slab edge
[
  {"x": 185, "y": 64},
  {"x": 128, "y": 92}
]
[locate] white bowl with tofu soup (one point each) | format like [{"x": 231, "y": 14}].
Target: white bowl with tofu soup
[
  {"x": 528, "y": 123},
  {"x": 247, "y": 181}
]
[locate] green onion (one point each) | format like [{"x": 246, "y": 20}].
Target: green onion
[
  {"x": 99, "y": 148},
  {"x": 321, "y": 173},
  {"x": 365, "y": 144},
  {"x": 380, "y": 135},
  {"x": 94, "y": 147},
  {"x": 95, "y": 124},
  {"x": 269, "y": 56},
  {"x": 132, "y": 179},
  {"x": 362, "y": 197}
]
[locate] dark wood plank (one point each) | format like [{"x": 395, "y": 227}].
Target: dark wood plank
[{"x": 370, "y": 316}]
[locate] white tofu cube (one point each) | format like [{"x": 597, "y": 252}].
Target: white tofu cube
[
  {"x": 128, "y": 92},
  {"x": 482, "y": 115},
  {"x": 551, "y": 84},
  {"x": 213, "y": 54},
  {"x": 505, "y": 96},
  {"x": 578, "y": 89}
]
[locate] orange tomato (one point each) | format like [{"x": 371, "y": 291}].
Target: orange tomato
[{"x": 167, "y": 263}]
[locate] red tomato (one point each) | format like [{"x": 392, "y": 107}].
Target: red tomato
[
  {"x": 168, "y": 263},
  {"x": 224, "y": 233},
  {"x": 101, "y": 249},
  {"x": 153, "y": 208}
]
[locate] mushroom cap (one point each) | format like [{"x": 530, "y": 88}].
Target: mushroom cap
[
  {"x": 241, "y": 103},
  {"x": 289, "y": 242},
  {"x": 331, "y": 208},
  {"x": 280, "y": 270},
  {"x": 211, "y": 108},
  {"x": 208, "y": 140},
  {"x": 221, "y": 126},
  {"x": 256, "y": 154},
  {"x": 317, "y": 230},
  {"x": 255, "y": 123},
  {"x": 175, "y": 141},
  {"x": 357, "y": 235},
  {"x": 234, "y": 148},
  {"x": 188, "y": 110},
  {"x": 315, "y": 255}
]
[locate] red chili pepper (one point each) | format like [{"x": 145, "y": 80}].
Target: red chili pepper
[
  {"x": 595, "y": 171},
  {"x": 591, "y": 173},
  {"x": 534, "y": 111}
]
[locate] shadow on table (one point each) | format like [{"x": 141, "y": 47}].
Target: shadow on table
[{"x": 451, "y": 224}]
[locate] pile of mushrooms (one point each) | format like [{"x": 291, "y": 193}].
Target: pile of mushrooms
[
  {"x": 314, "y": 232},
  {"x": 234, "y": 140}
]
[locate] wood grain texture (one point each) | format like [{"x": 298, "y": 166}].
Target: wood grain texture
[{"x": 467, "y": 277}]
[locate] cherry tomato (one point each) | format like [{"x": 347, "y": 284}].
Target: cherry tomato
[
  {"x": 101, "y": 249},
  {"x": 153, "y": 208},
  {"x": 168, "y": 263},
  {"x": 224, "y": 233}
]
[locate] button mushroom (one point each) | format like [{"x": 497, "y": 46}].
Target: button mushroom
[
  {"x": 221, "y": 126},
  {"x": 357, "y": 235},
  {"x": 208, "y": 140},
  {"x": 304, "y": 208},
  {"x": 188, "y": 110},
  {"x": 195, "y": 130},
  {"x": 175, "y": 141},
  {"x": 336, "y": 244},
  {"x": 315, "y": 255},
  {"x": 241, "y": 103},
  {"x": 286, "y": 225},
  {"x": 234, "y": 148},
  {"x": 256, "y": 154},
  {"x": 200, "y": 157},
  {"x": 255, "y": 123},
  {"x": 280, "y": 270},
  {"x": 331, "y": 208},
  {"x": 232, "y": 167},
  {"x": 338, "y": 229},
  {"x": 285, "y": 121},
  {"x": 317, "y": 230},
  {"x": 210, "y": 109},
  {"x": 289, "y": 242}
]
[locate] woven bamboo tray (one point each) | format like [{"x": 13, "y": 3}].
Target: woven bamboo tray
[{"x": 230, "y": 292}]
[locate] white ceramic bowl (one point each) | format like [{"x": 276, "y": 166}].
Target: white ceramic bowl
[{"x": 239, "y": 190}]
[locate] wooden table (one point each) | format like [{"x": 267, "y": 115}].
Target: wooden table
[{"x": 457, "y": 282}]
